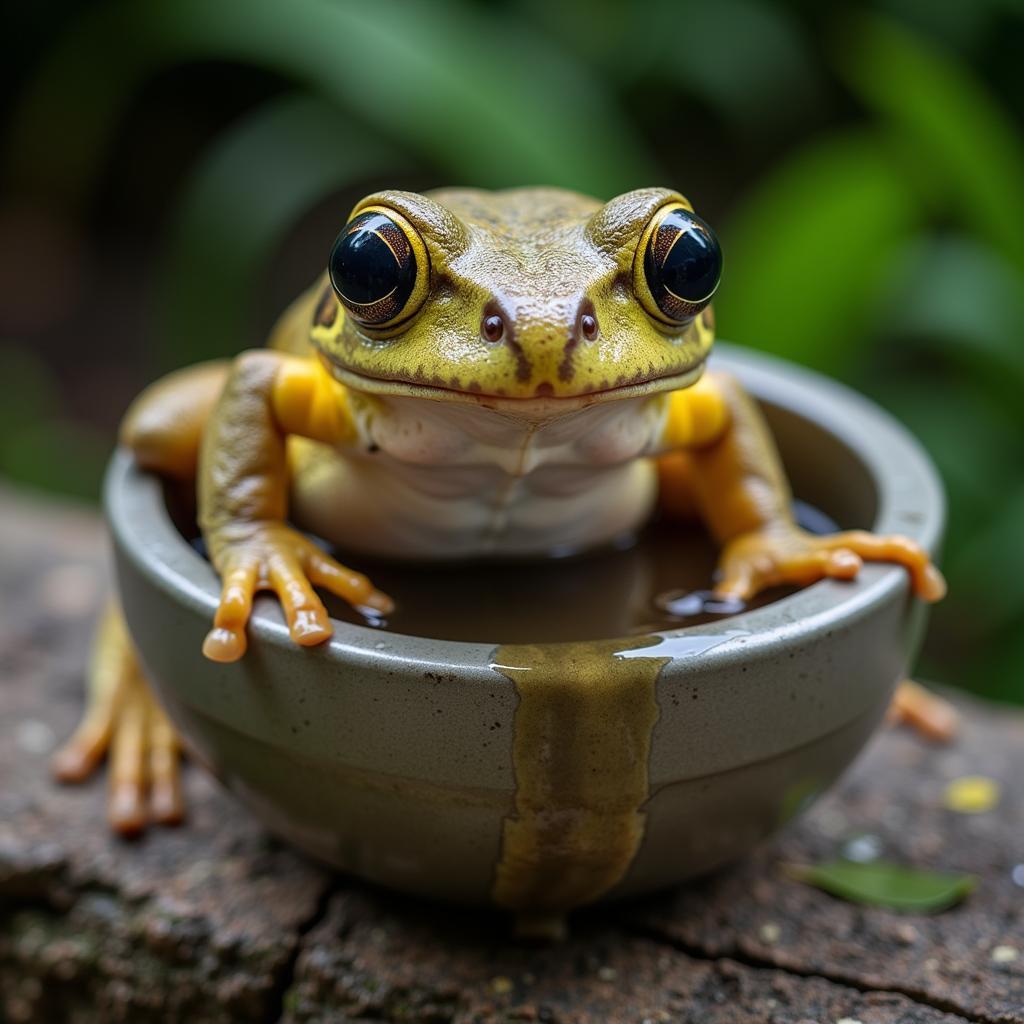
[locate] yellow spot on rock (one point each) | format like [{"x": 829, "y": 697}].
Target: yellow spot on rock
[
  {"x": 1005, "y": 954},
  {"x": 501, "y": 986},
  {"x": 972, "y": 794}
]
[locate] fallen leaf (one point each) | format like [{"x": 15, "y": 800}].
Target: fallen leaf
[
  {"x": 885, "y": 885},
  {"x": 972, "y": 794}
]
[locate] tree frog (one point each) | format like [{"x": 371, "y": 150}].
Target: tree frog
[{"x": 477, "y": 374}]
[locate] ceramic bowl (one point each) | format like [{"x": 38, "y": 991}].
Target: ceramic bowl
[{"x": 541, "y": 778}]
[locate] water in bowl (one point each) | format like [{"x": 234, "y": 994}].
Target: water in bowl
[{"x": 660, "y": 579}]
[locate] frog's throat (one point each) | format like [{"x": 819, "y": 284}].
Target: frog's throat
[{"x": 529, "y": 405}]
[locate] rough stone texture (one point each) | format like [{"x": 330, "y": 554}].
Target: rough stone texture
[
  {"x": 895, "y": 793},
  {"x": 377, "y": 957},
  {"x": 217, "y": 922},
  {"x": 190, "y": 924}
]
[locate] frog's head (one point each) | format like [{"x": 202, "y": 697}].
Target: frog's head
[{"x": 529, "y": 294}]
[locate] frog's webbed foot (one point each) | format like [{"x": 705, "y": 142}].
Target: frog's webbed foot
[
  {"x": 124, "y": 723},
  {"x": 930, "y": 715},
  {"x": 273, "y": 556},
  {"x": 788, "y": 555}
]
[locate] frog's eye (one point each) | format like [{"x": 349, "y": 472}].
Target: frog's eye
[
  {"x": 379, "y": 268},
  {"x": 678, "y": 265}
]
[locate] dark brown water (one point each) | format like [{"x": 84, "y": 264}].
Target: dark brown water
[{"x": 659, "y": 580}]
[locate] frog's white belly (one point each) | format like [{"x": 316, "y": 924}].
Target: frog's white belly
[{"x": 441, "y": 480}]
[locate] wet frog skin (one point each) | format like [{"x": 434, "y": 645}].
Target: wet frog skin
[{"x": 477, "y": 374}]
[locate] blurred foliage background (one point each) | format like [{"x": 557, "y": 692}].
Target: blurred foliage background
[{"x": 174, "y": 172}]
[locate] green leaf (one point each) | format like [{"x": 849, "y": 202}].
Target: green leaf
[
  {"x": 38, "y": 446},
  {"x": 886, "y": 885},
  {"x": 954, "y": 134},
  {"x": 60, "y": 455},
  {"x": 808, "y": 252},
  {"x": 972, "y": 439},
  {"x": 968, "y": 303},
  {"x": 962, "y": 26},
  {"x": 754, "y": 63},
  {"x": 473, "y": 92},
  {"x": 248, "y": 190},
  {"x": 31, "y": 387},
  {"x": 993, "y": 667},
  {"x": 990, "y": 567}
]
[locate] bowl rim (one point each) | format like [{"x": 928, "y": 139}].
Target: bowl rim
[{"x": 910, "y": 501}]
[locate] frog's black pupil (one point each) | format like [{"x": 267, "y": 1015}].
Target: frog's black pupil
[
  {"x": 494, "y": 327},
  {"x": 683, "y": 264},
  {"x": 373, "y": 268}
]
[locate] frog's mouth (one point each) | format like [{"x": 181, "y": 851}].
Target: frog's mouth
[{"x": 545, "y": 399}]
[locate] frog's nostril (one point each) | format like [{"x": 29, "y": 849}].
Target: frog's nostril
[
  {"x": 492, "y": 327},
  {"x": 586, "y": 321}
]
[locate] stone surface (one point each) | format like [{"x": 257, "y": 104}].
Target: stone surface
[
  {"x": 197, "y": 924},
  {"x": 218, "y": 922},
  {"x": 896, "y": 794},
  {"x": 378, "y": 957}
]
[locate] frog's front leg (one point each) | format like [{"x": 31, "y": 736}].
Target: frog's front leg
[
  {"x": 723, "y": 461},
  {"x": 742, "y": 494},
  {"x": 243, "y": 489}
]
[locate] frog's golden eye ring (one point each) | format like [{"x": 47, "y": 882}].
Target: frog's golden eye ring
[
  {"x": 379, "y": 268},
  {"x": 678, "y": 265}
]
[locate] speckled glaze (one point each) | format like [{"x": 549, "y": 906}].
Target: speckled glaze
[{"x": 419, "y": 764}]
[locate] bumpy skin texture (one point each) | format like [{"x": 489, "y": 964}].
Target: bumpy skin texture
[{"x": 527, "y": 397}]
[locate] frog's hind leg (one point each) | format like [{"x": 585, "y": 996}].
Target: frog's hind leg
[
  {"x": 165, "y": 424},
  {"x": 163, "y": 429},
  {"x": 124, "y": 722},
  {"x": 928, "y": 714}
]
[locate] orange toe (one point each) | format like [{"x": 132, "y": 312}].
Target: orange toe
[
  {"x": 125, "y": 810},
  {"x": 224, "y": 645}
]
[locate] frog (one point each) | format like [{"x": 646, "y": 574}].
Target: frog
[{"x": 476, "y": 374}]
